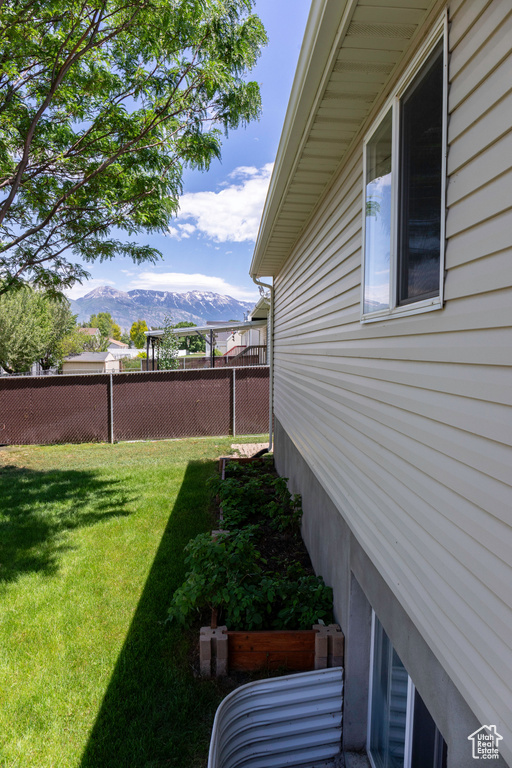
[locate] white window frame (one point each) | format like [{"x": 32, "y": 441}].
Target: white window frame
[
  {"x": 439, "y": 32},
  {"x": 409, "y": 718}
]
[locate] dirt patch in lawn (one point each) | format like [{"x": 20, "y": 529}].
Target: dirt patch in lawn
[{"x": 246, "y": 450}]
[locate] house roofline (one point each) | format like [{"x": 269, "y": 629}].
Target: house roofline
[
  {"x": 317, "y": 51},
  {"x": 342, "y": 75}
]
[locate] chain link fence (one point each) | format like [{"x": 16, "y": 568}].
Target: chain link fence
[{"x": 134, "y": 406}]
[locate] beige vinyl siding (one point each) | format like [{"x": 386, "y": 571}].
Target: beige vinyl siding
[{"x": 407, "y": 422}]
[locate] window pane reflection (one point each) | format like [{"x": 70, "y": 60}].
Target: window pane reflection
[
  {"x": 388, "y": 705},
  {"x": 378, "y": 217}
]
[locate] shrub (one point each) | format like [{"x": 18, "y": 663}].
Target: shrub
[{"x": 246, "y": 496}]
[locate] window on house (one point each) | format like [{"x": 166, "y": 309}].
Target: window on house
[
  {"x": 401, "y": 733},
  {"x": 404, "y": 197}
]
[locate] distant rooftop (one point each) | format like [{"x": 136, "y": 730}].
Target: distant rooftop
[{"x": 90, "y": 357}]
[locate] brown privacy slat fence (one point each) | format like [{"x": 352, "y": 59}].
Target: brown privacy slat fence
[{"x": 133, "y": 406}]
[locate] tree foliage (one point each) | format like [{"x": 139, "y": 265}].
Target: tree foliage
[
  {"x": 137, "y": 333},
  {"x": 102, "y": 105},
  {"x": 94, "y": 343},
  {"x": 107, "y": 327},
  {"x": 168, "y": 348},
  {"x": 61, "y": 338},
  {"x": 193, "y": 343},
  {"x": 74, "y": 343},
  {"x": 35, "y": 327}
]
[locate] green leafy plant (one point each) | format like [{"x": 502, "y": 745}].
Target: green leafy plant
[
  {"x": 228, "y": 572},
  {"x": 168, "y": 348},
  {"x": 243, "y": 498},
  {"x": 224, "y": 573},
  {"x": 305, "y": 601}
]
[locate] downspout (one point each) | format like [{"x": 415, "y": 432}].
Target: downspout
[{"x": 270, "y": 353}]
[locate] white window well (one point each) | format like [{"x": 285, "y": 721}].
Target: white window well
[{"x": 404, "y": 193}]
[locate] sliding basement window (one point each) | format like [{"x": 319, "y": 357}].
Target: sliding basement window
[{"x": 401, "y": 733}]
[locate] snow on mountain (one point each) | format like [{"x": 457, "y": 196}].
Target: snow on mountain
[{"x": 153, "y": 306}]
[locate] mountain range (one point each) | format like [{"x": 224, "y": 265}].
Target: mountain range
[{"x": 153, "y": 306}]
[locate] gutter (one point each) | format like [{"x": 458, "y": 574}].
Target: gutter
[{"x": 270, "y": 353}]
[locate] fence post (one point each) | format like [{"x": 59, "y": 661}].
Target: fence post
[
  {"x": 111, "y": 409},
  {"x": 234, "y": 401}
]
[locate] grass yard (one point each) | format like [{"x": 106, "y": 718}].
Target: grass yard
[{"x": 91, "y": 541}]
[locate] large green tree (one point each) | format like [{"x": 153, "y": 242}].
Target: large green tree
[
  {"x": 137, "y": 333},
  {"x": 61, "y": 337},
  {"x": 23, "y": 330},
  {"x": 106, "y": 325},
  {"x": 35, "y": 327},
  {"x": 193, "y": 343},
  {"x": 102, "y": 105}
]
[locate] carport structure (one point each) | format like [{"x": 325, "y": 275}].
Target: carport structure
[{"x": 206, "y": 332}]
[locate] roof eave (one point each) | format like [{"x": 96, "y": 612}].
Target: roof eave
[
  {"x": 317, "y": 50},
  {"x": 350, "y": 55}
]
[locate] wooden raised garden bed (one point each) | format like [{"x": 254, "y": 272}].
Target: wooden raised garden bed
[
  {"x": 255, "y": 574},
  {"x": 222, "y": 651}
]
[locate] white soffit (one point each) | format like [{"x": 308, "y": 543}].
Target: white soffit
[{"x": 349, "y": 51}]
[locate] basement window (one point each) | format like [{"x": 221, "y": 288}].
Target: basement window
[
  {"x": 401, "y": 732},
  {"x": 404, "y": 194}
]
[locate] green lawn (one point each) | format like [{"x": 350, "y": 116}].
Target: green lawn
[{"x": 91, "y": 541}]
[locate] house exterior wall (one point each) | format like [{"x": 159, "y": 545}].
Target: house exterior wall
[
  {"x": 109, "y": 366},
  {"x": 68, "y": 367},
  {"x": 254, "y": 337},
  {"x": 337, "y": 554},
  {"x": 406, "y": 423}
]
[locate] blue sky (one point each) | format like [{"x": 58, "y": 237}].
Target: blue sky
[{"x": 210, "y": 244}]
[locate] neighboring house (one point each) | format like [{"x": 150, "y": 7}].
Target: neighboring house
[
  {"x": 225, "y": 340},
  {"x": 119, "y": 349},
  {"x": 90, "y": 331},
  {"x": 257, "y": 336},
  {"x": 114, "y": 344},
  {"x": 116, "y": 348},
  {"x": 91, "y": 362},
  {"x": 388, "y": 232}
]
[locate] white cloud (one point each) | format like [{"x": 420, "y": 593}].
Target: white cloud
[
  {"x": 248, "y": 171},
  {"x": 80, "y": 290},
  {"x": 231, "y": 215},
  {"x": 182, "y": 282}
]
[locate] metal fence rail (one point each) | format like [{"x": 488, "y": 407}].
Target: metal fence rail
[
  {"x": 255, "y": 356},
  {"x": 133, "y": 406}
]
